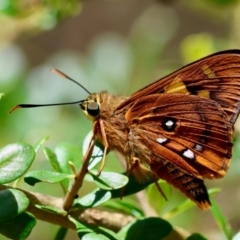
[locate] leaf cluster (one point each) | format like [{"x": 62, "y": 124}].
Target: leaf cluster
[{"x": 16, "y": 208}]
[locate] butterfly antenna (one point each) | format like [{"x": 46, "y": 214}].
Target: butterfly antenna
[
  {"x": 54, "y": 70},
  {"x": 58, "y": 72},
  {"x": 42, "y": 105}
]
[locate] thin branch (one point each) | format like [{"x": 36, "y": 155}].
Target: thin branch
[
  {"x": 95, "y": 217},
  {"x": 76, "y": 185},
  {"x": 113, "y": 221}
]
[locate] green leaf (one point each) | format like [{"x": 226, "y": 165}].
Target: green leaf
[
  {"x": 83, "y": 229},
  {"x": 40, "y": 143},
  {"x": 15, "y": 160},
  {"x": 109, "y": 180},
  {"x": 18, "y": 227},
  {"x": 196, "y": 236},
  {"x": 52, "y": 209},
  {"x": 155, "y": 198},
  {"x": 92, "y": 199},
  {"x": 12, "y": 203},
  {"x": 94, "y": 236},
  {"x": 182, "y": 207},
  {"x": 187, "y": 204},
  {"x": 97, "y": 153},
  {"x": 221, "y": 220},
  {"x": 151, "y": 228},
  {"x": 66, "y": 152},
  {"x": 37, "y": 176},
  {"x": 126, "y": 206},
  {"x": 132, "y": 187},
  {"x": 52, "y": 158}
]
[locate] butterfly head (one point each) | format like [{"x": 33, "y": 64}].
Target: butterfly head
[{"x": 91, "y": 106}]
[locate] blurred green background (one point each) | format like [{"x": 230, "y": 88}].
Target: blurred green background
[{"x": 118, "y": 46}]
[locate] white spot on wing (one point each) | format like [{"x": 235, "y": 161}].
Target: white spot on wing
[
  {"x": 161, "y": 140},
  {"x": 169, "y": 124},
  {"x": 188, "y": 154},
  {"x": 199, "y": 147}
]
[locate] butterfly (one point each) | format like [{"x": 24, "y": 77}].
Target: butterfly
[{"x": 179, "y": 128}]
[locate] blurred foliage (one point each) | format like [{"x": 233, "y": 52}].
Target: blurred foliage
[
  {"x": 52, "y": 9},
  {"x": 19, "y": 16},
  {"x": 114, "y": 62},
  {"x": 223, "y": 2}
]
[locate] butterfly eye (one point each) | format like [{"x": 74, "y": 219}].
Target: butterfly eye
[{"x": 93, "y": 109}]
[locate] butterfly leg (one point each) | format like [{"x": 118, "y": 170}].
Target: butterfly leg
[
  {"x": 155, "y": 178},
  {"x": 105, "y": 143}
]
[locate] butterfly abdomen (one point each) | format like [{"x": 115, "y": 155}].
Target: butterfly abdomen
[{"x": 192, "y": 187}]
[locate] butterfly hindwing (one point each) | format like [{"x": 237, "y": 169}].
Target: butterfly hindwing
[{"x": 189, "y": 131}]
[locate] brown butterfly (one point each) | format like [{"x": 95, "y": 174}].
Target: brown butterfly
[{"x": 179, "y": 128}]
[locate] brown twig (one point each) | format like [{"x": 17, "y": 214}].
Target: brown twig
[
  {"x": 78, "y": 181},
  {"x": 96, "y": 217}
]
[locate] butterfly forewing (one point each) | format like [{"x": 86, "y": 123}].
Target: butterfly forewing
[{"x": 216, "y": 77}]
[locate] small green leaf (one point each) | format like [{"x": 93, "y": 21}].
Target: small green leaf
[
  {"x": 94, "y": 236},
  {"x": 40, "y": 143},
  {"x": 221, "y": 220},
  {"x": 155, "y": 198},
  {"x": 151, "y": 228},
  {"x": 37, "y": 176},
  {"x": 126, "y": 206},
  {"x": 1, "y": 95},
  {"x": 93, "y": 199},
  {"x": 187, "y": 204},
  {"x": 66, "y": 152},
  {"x": 52, "y": 158},
  {"x": 15, "y": 160},
  {"x": 97, "y": 153},
  {"x": 83, "y": 229},
  {"x": 132, "y": 187},
  {"x": 18, "y": 227},
  {"x": 12, "y": 203},
  {"x": 182, "y": 207},
  {"x": 51, "y": 209},
  {"x": 109, "y": 180},
  {"x": 196, "y": 236}
]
